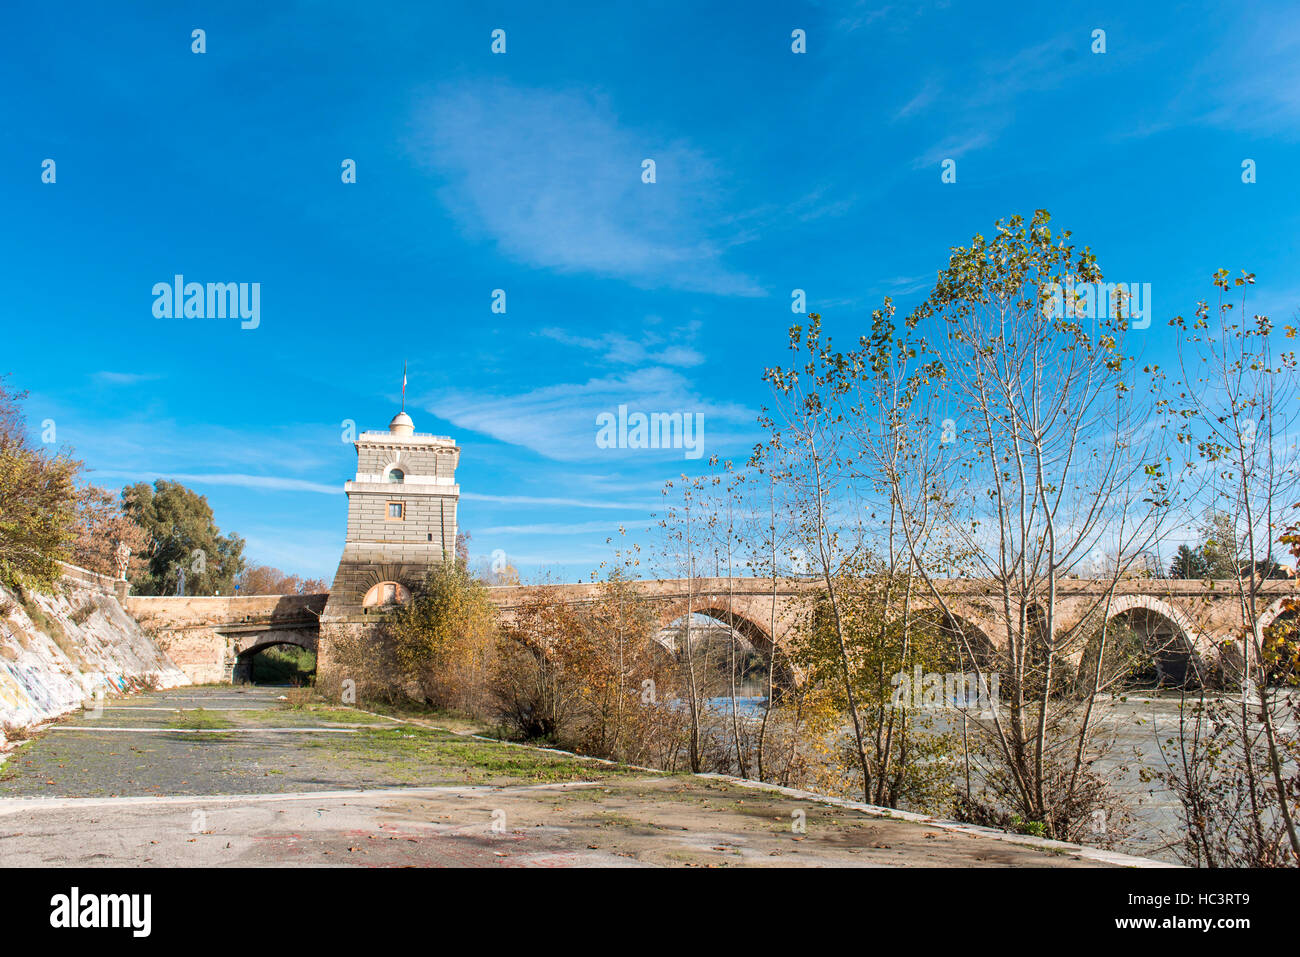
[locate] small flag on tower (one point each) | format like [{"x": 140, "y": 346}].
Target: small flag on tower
[{"x": 403, "y": 386}]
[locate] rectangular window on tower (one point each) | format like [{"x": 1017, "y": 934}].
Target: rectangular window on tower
[{"x": 396, "y": 511}]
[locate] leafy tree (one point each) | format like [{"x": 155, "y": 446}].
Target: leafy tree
[
  {"x": 38, "y": 503},
  {"x": 843, "y": 427},
  {"x": 182, "y": 540},
  {"x": 1221, "y": 554},
  {"x": 908, "y": 761},
  {"x": 102, "y": 526},
  {"x": 1189, "y": 562},
  {"x": 443, "y": 636},
  {"x": 1221, "y": 546},
  {"x": 490, "y": 573},
  {"x": 1045, "y": 459},
  {"x": 610, "y": 656},
  {"x": 532, "y": 693},
  {"x": 683, "y": 531},
  {"x": 266, "y": 580}
]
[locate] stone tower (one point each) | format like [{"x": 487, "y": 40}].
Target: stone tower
[{"x": 401, "y": 520}]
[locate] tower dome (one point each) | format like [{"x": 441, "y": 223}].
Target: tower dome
[{"x": 401, "y": 425}]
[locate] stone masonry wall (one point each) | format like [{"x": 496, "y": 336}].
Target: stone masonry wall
[
  {"x": 428, "y": 518},
  {"x": 437, "y": 462},
  {"x": 183, "y": 626}
]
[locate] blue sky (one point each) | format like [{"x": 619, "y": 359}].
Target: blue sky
[{"x": 522, "y": 172}]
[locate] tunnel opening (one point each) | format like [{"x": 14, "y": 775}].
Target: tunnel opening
[{"x": 282, "y": 664}]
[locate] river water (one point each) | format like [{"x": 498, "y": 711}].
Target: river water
[
  {"x": 1137, "y": 725},
  {"x": 1133, "y": 727}
]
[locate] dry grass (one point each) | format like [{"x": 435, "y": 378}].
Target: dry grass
[{"x": 299, "y": 698}]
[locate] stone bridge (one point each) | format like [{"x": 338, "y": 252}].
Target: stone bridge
[
  {"x": 1183, "y": 622},
  {"x": 214, "y": 639}
]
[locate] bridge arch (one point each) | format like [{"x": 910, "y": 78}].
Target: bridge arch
[
  {"x": 785, "y": 676},
  {"x": 1124, "y": 603},
  {"x": 247, "y": 647},
  {"x": 1195, "y": 613},
  {"x": 1275, "y": 611},
  {"x": 966, "y": 636},
  {"x": 1177, "y": 651},
  {"x": 253, "y": 643},
  {"x": 1283, "y": 670}
]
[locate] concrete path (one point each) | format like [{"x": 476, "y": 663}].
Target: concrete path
[{"x": 211, "y": 777}]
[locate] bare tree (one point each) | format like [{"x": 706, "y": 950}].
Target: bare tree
[
  {"x": 1051, "y": 460},
  {"x": 681, "y": 533},
  {"x": 806, "y": 435},
  {"x": 1237, "y": 409}
]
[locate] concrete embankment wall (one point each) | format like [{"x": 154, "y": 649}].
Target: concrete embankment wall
[{"x": 59, "y": 650}]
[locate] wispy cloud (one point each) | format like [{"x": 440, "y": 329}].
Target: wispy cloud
[
  {"x": 123, "y": 378},
  {"x": 131, "y": 436},
  {"x": 906, "y": 285},
  {"x": 272, "y": 483},
  {"x": 555, "y": 180},
  {"x": 561, "y": 528},
  {"x": 953, "y": 148},
  {"x": 862, "y": 14},
  {"x": 296, "y": 550},
  {"x": 919, "y": 102},
  {"x": 1043, "y": 66},
  {"x": 985, "y": 106},
  {"x": 617, "y": 348},
  {"x": 1258, "y": 88},
  {"x": 1248, "y": 83},
  {"x": 558, "y": 421},
  {"x": 550, "y": 501}
]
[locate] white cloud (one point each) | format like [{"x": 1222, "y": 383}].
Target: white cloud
[
  {"x": 919, "y": 102},
  {"x": 532, "y": 500},
  {"x": 863, "y": 14},
  {"x": 985, "y": 107},
  {"x": 558, "y": 421},
  {"x": 121, "y": 438},
  {"x": 1261, "y": 93},
  {"x": 555, "y": 180},
  {"x": 123, "y": 378},
  {"x": 272, "y": 483},
  {"x": 618, "y": 348},
  {"x": 295, "y": 550},
  {"x": 609, "y": 527},
  {"x": 951, "y": 148}
]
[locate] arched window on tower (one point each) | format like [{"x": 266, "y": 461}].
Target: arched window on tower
[
  {"x": 397, "y": 476},
  {"x": 386, "y": 593}
]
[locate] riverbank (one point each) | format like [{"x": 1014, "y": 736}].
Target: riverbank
[
  {"x": 219, "y": 776},
  {"x": 1146, "y": 820}
]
